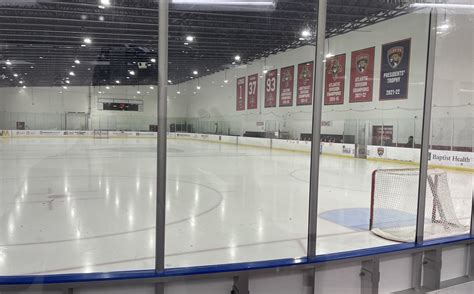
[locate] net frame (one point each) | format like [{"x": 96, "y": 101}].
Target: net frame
[
  {"x": 442, "y": 221},
  {"x": 101, "y": 134}
]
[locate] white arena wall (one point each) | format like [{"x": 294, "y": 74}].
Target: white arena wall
[
  {"x": 43, "y": 108},
  {"x": 453, "y": 101}
]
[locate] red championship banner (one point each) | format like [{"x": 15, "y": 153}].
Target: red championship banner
[
  {"x": 240, "y": 94},
  {"x": 335, "y": 78},
  {"x": 271, "y": 88},
  {"x": 287, "y": 83},
  {"x": 362, "y": 75},
  {"x": 252, "y": 95},
  {"x": 304, "y": 93}
]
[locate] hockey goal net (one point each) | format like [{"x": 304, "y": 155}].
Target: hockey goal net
[
  {"x": 101, "y": 134},
  {"x": 394, "y": 205}
]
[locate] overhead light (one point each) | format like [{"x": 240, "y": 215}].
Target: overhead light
[
  {"x": 195, "y": 72},
  {"x": 77, "y": 61},
  {"x": 21, "y": 82},
  {"x": 8, "y": 62},
  {"x": 151, "y": 87},
  {"x": 67, "y": 82},
  {"x": 101, "y": 18},
  {"x": 24, "y": 87},
  {"x": 65, "y": 87},
  {"x": 237, "y": 57},
  {"x": 226, "y": 81},
  {"x": 71, "y": 73},
  {"x": 41, "y": 57},
  {"x": 117, "y": 82},
  {"x": 265, "y": 71},
  {"x": 153, "y": 60},
  {"x": 138, "y": 92},
  {"x": 189, "y": 38},
  {"x": 87, "y": 40},
  {"x": 73, "y": 66},
  {"x": 131, "y": 72},
  {"x": 186, "y": 44},
  {"x": 15, "y": 75},
  {"x": 169, "y": 81},
  {"x": 83, "y": 45},
  {"x": 105, "y": 2},
  {"x": 444, "y": 26},
  {"x": 305, "y": 33},
  {"x": 178, "y": 92},
  {"x": 32, "y": 67},
  {"x": 329, "y": 55},
  {"x": 198, "y": 87},
  {"x": 108, "y": 88}
]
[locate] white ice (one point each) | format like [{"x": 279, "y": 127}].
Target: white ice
[{"x": 74, "y": 206}]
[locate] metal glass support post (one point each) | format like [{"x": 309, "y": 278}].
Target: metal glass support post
[
  {"x": 316, "y": 138},
  {"x": 432, "y": 269},
  {"x": 370, "y": 276},
  {"x": 425, "y": 136},
  {"x": 162, "y": 117}
]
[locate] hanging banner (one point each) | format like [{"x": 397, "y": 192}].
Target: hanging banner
[
  {"x": 395, "y": 67},
  {"x": 304, "y": 93},
  {"x": 271, "y": 88},
  {"x": 240, "y": 94},
  {"x": 287, "y": 83},
  {"x": 335, "y": 79},
  {"x": 252, "y": 95},
  {"x": 362, "y": 75}
]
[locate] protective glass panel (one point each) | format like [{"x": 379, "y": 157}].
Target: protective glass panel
[
  {"x": 449, "y": 195},
  {"x": 373, "y": 98},
  {"x": 239, "y": 120},
  {"x": 77, "y": 160}
]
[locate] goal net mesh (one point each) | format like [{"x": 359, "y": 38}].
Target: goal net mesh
[
  {"x": 394, "y": 205},
  {"x": 101, "y": 134}
]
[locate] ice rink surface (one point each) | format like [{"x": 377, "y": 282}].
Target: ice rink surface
[{"x": 85, "y": 205}]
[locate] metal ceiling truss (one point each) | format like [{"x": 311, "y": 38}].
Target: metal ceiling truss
[{"x": 126, "y": 34}]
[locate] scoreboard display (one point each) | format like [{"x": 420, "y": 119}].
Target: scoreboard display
[{"x": 120, "y": 106}]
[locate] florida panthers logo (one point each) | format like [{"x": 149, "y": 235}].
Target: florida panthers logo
[
  {"x": 335, "y": 68},
  {"x": 362, "y": 61},
  {"x": 380, "y": 151},
  {"x": 287, "y": 78},
  {"x": 395, "y": 56},
  {"x": 305, "y": 75}
]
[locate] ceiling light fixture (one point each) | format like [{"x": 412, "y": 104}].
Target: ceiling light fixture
[
  {"x": 195, "y": 72},
  {"x": 237, "y": 58},
  {"x": 306, "y": 33},
  {"x": 87, "y": 40},
  {"x": 77, "y": 61},
  {"x": 71, "y": 73},
  {"x": 190, "y": 38}
]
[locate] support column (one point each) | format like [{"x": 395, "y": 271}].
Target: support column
[
  {"x": 426, "y": 131},
  {"x": 162, "y": 118},
  {"x": 316, "y": 133},
  {"x": 241, "y": 284}
]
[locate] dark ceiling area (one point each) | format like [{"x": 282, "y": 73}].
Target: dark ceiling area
[{"x": 81, "y": 42}]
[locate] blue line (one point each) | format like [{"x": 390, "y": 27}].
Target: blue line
[{"x": 214, "y": 269}]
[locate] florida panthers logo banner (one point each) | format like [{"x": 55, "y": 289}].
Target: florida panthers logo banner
[
  {"x": 335, "y": 78},
  {"x": 240, "y": 98},
  {"x": 362, "y": 75},
  {"x": 395, "y": 67},
  {"x": 287, "y": 81},
  {"x": 304, "y": 95}
]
